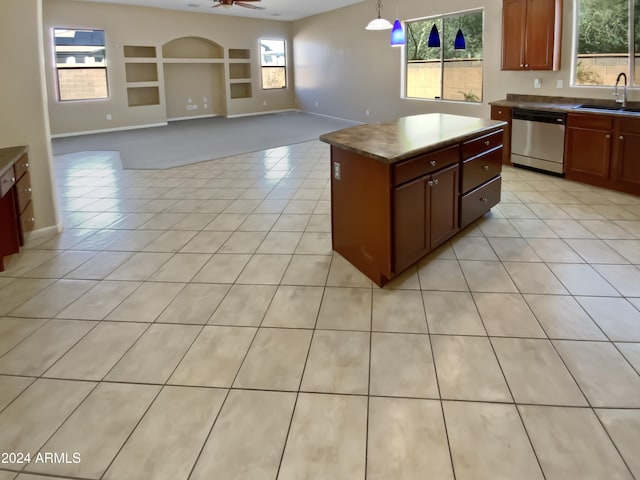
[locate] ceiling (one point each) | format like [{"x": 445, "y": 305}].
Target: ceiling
[{"x": 285, "y": 10}]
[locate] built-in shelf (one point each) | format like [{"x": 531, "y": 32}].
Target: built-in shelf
[
  {"x": 136, "y": 51},
  {"x": 239, "y": 70},
  {"x": 192, "y": 48},
  {"x": 140, "y": 96},
  {"x": 240, "y": 90},
  {"x": 141, "y": 72},
  {"x": 193, "y": 60},
  {"x": 239, "y": 53}
]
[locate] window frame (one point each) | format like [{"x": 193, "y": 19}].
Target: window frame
[
  {"x": 405, "y": 62},
  {"x": 282, "y": 67},
  {"x": 58, "y": 69},
  {"x": 631, "y": 54}
]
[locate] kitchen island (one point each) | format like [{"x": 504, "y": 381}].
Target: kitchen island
[{"x": 402, "y": 188}]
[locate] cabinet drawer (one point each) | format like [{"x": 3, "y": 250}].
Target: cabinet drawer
[
  {"x": 416, "y": 167},
  {"x": 501, "y": 113},
  {"x": 23, "y": 190},
  {"x": 6, "y": 182},
  {"x": 629, "y": 125},
  {"x": 27, "y": 219},
  {"x": 599, "y": 122},
  {"x": 21, "y": 166},
  {"x": 481, "y": 144},
  {"x": 475, "y": 203},
  {"x": 478, "y": 170}
]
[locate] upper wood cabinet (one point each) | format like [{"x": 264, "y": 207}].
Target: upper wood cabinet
[{"x": 531, "y": 34}]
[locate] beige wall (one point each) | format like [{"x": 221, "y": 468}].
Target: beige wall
[
  {"x": 125, "y": 25},
  {"x": 23, "y": 116},
  {"x": 348, "y": 70}
]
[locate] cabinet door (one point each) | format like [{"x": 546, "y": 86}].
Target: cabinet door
[
  {"x": 410, "y": 231},
  {"x": 504, "y": 114},
  {"x": 540, "y": 35},
  {"x": 627, "y": 168},
  {"x": 514, "y": 18},
  {"x": 588, "y": 154},
  {"x": 443, "y": 205}
]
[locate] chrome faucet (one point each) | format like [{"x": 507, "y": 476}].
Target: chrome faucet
[{"x": 624, "y": 90}]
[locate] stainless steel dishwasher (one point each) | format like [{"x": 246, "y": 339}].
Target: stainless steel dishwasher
[{"x": 537, "y": 140}]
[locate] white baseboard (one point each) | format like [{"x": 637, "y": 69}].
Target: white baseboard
[
  {"x": 44, "y": 232},
  {"x": 209, "y": 115},
  {"x": 331, "y": 116},
  {"x": 262, "y": 113},
  {"x": 106, "y": 130}
]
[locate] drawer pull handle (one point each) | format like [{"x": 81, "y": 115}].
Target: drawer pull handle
[
  {"x": 621, "y": 137},
  {"x": 607, "y": 136},
  {"x": 430, "y": 183},
  {"x": 487, "y": 143},
  {"x": 484, "y": 199},
  {"x": 28, "y": 190},
  {"x": 499, "y": 112},
  {"x": 485, "y": 168},
  {"x": 26, "y": 165},
  {"x": 432, "y": 163},
  {"x": 13, "y": 179},
  {"x": 435, "y": 181},
  {"x": 31, "y": 220}
]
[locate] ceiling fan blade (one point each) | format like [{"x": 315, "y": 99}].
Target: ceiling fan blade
[{"x": 248, "y": 5}]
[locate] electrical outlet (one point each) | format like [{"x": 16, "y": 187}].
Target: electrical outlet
[
  {"x": 536, "y": 83},
  {"x": 188, "y": 100},
  {"x": 109, "y": 117},
  {"x": 195, "y": 107},
  {"x": 189, "y": 107},
  {"x": 205, "y": 106},
  {"x": 264, "y": 103},
  {"x": 337, "y": 171},
  {"x": 205, "y": 99},
  {"x": 366, "y": 112},
  {"x": 559, "y": 84},
  {"x": 317, "y": 104}
]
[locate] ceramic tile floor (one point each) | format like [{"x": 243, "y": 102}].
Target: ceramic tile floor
[{"x": 194, "y": 323}]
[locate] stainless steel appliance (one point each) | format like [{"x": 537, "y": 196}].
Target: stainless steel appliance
[{"x": 537, "y": 139}]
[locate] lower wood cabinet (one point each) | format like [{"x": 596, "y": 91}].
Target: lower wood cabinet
[
  {"x": 504, "y": 114},
  {"x": 602, "y": 150},
  {"x": 425, "y": 215},
  {"x": 16, "y": 208}
]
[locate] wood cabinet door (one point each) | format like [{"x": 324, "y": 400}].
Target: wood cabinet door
[
  {"x": 514, "y": 18},
  {"x": 410, "y": 229},
  {"x": 504, "y": 114},
  {"x": 627, "y": 166},
  {"x": 588, "y": 154},
  {"x": 443, "y": 205},
  {"x": 540, "y": 29}
]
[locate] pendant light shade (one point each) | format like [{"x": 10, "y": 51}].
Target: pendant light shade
[
  {"x": 459, "y": 43},
  {"x": 379, "y": 23},
  {"x": 397, "y": 34},
  {"x": 434, "y": 37}
]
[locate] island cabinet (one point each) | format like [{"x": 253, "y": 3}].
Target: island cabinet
[
  {"x": 425, "y": 204},
  {"x": 396, "y": 187},
  {"x": 531, "y": 34}
]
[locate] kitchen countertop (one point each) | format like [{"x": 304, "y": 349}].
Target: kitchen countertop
[
  {"x": 409, "y": 136},
  {"x": 565, "y": 104},
  {"x": 9, "y": 156}
]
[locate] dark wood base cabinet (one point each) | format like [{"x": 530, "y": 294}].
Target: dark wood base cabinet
[
  {"x": 387, "y": 216},
  {"x": 16, "y": 207},
  {"x": 602, "y": 150}
]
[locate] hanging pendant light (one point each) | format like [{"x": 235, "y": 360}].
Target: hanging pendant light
[
  {"x": 459, "y": 43},
  {"x": 434, "y": 37},
  {"x": 397, "y": 34},
  {"x": 379, "y": 23}
]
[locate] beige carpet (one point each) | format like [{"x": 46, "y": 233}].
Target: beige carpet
[{"x": 191, "y": 141}]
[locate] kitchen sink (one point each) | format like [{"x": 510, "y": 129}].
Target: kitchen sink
[{"x": 606, "y": 108}]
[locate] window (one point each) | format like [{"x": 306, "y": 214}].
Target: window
[
  {"x": 608, "y": 35},
  {"x": 80, "y": 64},
  {"x": 273, "y": 62},
  {"x": 444, "y": 72}
]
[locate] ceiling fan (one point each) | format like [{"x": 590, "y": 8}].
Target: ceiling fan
[{"x": 243, "y": 3}]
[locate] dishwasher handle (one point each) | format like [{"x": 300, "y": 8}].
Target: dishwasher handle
[{"x": 540, "y": 116}]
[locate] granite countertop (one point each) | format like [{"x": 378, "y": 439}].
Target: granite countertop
[
  {"x": 566, "y": 104},
  {"x": 408, "y": 136},
  {"x": 9, "y": 156}
]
